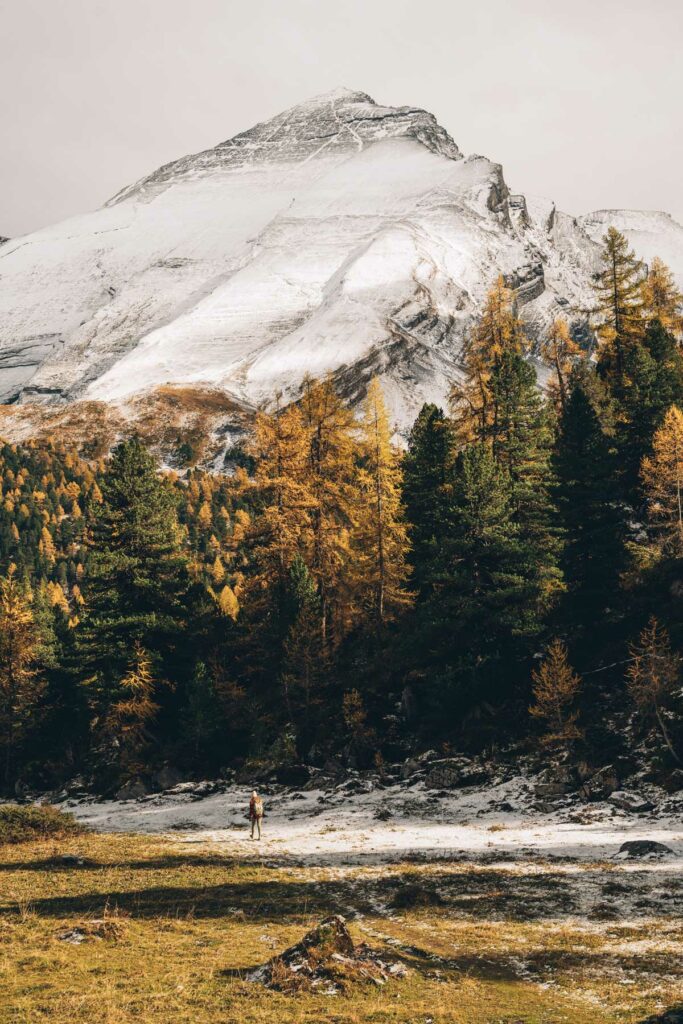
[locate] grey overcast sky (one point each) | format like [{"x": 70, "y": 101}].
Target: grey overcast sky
[{"x": 579, "y": 100}]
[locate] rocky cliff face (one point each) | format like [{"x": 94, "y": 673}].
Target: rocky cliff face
[{"x": 341, "y": 236}]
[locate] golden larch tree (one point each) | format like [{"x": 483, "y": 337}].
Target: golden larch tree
[
  {"x": 618, "y": 291},
  {"x": 662, "y": 476},
  {"x": 555, "y": 688},
  {"x": 381, "y": 536},
  {"x": 560, "y": 352},
  {"x": 21, "y": 688},
  {"x": 280, "y": 450},
  {"x": 497, "y": 330},
  {"x": 661, "y": 298},
  {"x": 654, "y": 677},
  {"x": 336, "y": 503},
  {"x": 130, "y": 716}
]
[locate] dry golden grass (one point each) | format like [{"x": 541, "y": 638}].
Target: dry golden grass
[
  {"x": 165, "y": 418},
  {"x": 169, "y": 933}
]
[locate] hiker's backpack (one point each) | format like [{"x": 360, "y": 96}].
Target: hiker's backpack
[{"x": 258, "y": 807}]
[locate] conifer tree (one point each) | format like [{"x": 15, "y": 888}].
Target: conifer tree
[
  {"x": 662, "y": 474},
  {"x": 653, "y": 382},
  {"x": 619, "y": 303},
  {"x": 555, "y": 688},
  {"x": 228, "y": 603},
  {"x": 132, "y": 710},
  {"x": 485, "y": 604},
  {"x": 662, "y": 299},
  {"x": 560, "y": 352},
  {"x": 21, "y": 687},
  {"x": 281, "y": 531},
  {"x": 381, "y": 533},
  {"x": 521, "y": 438},
  {"x": 498, "y": 331},
  {"x": 305, "y": 663},
  {"x": 654, "y": 678},
  {"x": 587, "y": 491},
  {"x": 138, "y": 587},
  {"x": 335, "y": 504},
  {"x": 427, "y": 483}
]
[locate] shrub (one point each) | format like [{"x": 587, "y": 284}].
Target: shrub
[{"x": 22, "y": 824}]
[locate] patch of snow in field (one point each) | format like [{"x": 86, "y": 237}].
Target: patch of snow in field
[{"x": 341, "y": 828}]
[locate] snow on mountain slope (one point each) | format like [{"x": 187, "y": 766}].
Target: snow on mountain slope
[
  {"x": 339, "y": 236},
  {"x": 651, "y": 233}
]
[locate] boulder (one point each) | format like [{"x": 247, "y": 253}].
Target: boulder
[
  {"x": 293, "y": 774},
  {"x": 673, "y": 783},
  {"x": 133, "y": 790},
  {"x": 454, "y": 773},
  {"x": 326, "y": 957},
  {"x": 409, "y": 767},
  {"x": 601, "y": 784},
  {"x": 167, "y": 777},
  {"x": 628, "y": 801},
  {"x": 644, "y": 849},
  {"x": 556, "y": 780}
]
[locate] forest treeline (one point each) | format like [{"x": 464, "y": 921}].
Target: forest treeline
[{"x": 515, "y": 575}]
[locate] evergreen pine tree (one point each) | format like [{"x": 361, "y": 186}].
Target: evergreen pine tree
[
  {"x": 590, "y": 517},
  {"x": 484, "y": 608},
  {"x": 427, "y": 483},
  {"x": 306, "y": 666},
  {"x": 138, "y": 588},
  {"x": 653, "y": 381},
  {"x": 521, "y": 438}
]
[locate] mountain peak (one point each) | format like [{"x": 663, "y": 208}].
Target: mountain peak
[{"x": 332, "y": 125}]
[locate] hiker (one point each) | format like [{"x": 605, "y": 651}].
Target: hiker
[{"x": 255, "y": 813}]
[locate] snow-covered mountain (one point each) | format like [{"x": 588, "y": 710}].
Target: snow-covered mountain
[
  {"x": 650, "y": 233},
  {"x": 340, "y": 236}
]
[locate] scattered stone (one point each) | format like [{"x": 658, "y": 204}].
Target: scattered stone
[
  {"x": 383, "y": 814},
  {"x": 632, "y": 802},
  {"x": 326, "y": 959},
  {"x": 94, "y": 930},
  {"x": 639, "y": 849}
]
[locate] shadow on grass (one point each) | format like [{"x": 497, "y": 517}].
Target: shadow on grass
[{"x": 494, "y": 895}]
